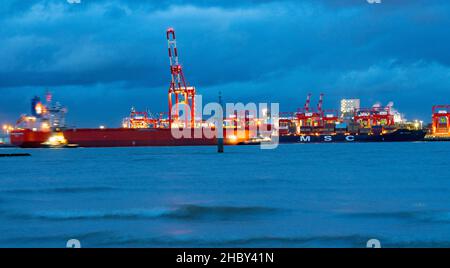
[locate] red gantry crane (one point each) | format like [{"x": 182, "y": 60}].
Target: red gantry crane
[
  {"x": 179, "y": 92},
  {"x": 375, "y": 116},
  {"x": 327, "y": 117},
  {"x": 320, "y": 104},
  {"x": 308, "y": 118},
  {"x": 441, "y": 120},
  {"x": 363, "y": 116},
  {"x": 330, "y": 117},
  {"x": 382, "y": 116}
]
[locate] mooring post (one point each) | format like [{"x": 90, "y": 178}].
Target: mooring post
[{"x": 220, "y": 121}]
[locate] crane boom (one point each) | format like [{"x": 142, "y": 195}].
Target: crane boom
[
  {"x": 307, "y": 103},
  {"x": 320, "y": 104}
]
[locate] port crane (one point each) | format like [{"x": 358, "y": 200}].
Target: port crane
[
  {"x": 318, "y": 118},
  {"x": 306, "y": 116},
  {"x": 320, "y": 104},
  {"x": 375, "y": 116},
  {"x": 327, "y": 118},
  {"x": 330, "y": 117},
  {"x": 382, "y": 116},
  {"x": 179, "y": 92},
  {"x": 441, "y": 120}
]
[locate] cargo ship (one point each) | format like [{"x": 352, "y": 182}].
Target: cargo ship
[
  {"x": 46, "y": 128},
  {"x": 397, "y": 135},
  {"x": 317, "y": 125},
  {"x": 108, "y": 137}
]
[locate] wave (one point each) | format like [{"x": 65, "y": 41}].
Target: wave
[
  {"x": 59, "y": 190},
  {"x": 112, "y": 239},
  {"x": 56, "y": 240},
  {"x": 421, "y": 216},
  {"x": 259, "y": 241},
  {"x": 197, "y": 211},
  {"x": 417, "y": 244},
  {"x": 93, "y": 215},
  {"x": 191, "y": 212}
]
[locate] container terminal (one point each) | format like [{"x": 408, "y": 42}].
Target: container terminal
[{"x": 46, "y": 126}]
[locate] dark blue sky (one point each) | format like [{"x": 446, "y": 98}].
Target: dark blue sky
[{"x": 100, "y": 57}]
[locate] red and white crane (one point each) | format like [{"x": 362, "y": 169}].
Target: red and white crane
[
  {"x": 441, "y": 120},
  {"x": 320, "y": 104},
  {"x": 307, "y": 103},
  {"x": 179, "y": 92},
  {"x": 308, "y": 117}
]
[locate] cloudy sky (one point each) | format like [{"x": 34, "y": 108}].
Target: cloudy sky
[{"x": 100, "y": 57}]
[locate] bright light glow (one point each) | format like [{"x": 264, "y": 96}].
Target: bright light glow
[
  {"x": 232, "y": 138},
  {"x": 39, "y": 108},
  {"x": 45, "y": 125},
  {"x": 30, "y": 118},
  {"x": 7, "y": 128},
  {"x": 398, "y": 118},
  {"x": 56, "y": 139},
  {"x": 101, "y": 127}
]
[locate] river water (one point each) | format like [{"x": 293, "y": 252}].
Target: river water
[{"x": 300, "y": 195}]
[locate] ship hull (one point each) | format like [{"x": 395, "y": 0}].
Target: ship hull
[
  {"x": 116, "y": 137},
  {"x": 29, "y": 138},
  {"x": 396, "y": 136}
]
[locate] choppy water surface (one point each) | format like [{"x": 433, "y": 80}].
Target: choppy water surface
[{"x": 310, "y": 195}]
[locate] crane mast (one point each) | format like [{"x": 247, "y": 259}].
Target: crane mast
[
  {"x": 320, "y": 104},
  {"x": 179, "y": 92},
  {"x": 307, "y": 103}
]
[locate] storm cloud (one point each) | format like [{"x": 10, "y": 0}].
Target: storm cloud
[{"x": 102, "y": 57}]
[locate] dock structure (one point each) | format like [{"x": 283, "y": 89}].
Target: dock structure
[{"x": 15, "y": 154}]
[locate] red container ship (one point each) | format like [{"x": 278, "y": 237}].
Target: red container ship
[
  {"x": 45, "y": 127},
  {"x": 108, "y": 137}
]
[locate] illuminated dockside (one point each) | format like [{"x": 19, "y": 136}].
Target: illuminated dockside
[
  {"x": 354, "y": 124},
  {"x": 46, "y": 126}
]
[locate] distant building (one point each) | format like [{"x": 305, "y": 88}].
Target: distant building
[{"x": 348, "y": 106}]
